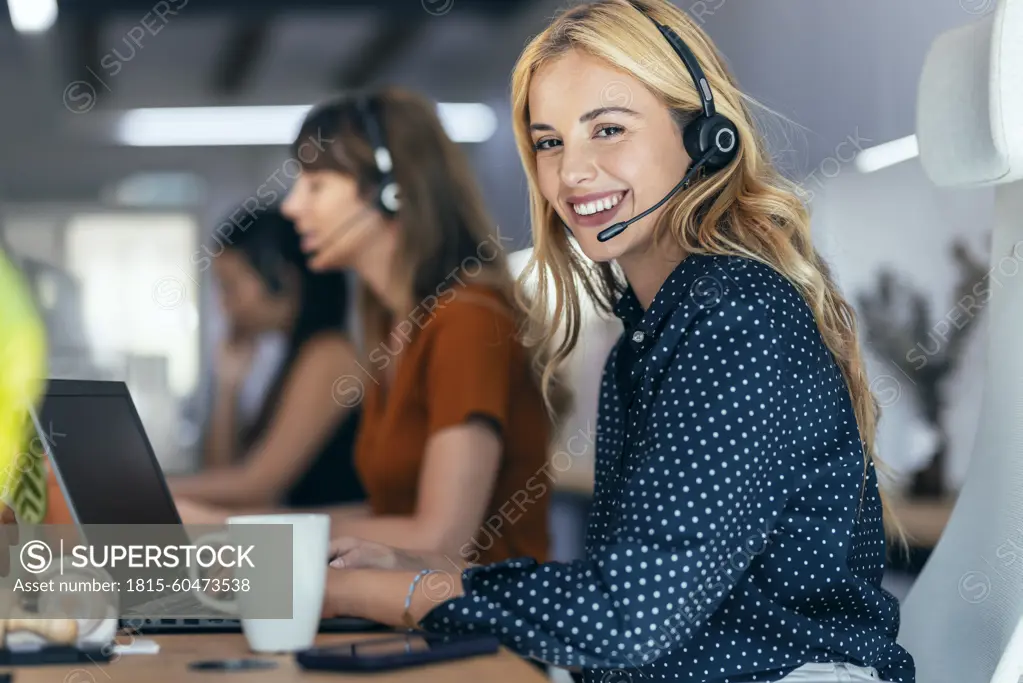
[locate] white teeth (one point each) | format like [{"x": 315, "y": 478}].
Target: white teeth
[{"x": 602, "y": 204}]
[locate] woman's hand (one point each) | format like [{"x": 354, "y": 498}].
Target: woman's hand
[
  {"x": 379, "y": 595},
  {"x": 197, "y": 513},
  {"x": 355, "y": 553}
]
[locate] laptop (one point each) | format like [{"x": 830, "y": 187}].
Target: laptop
[{"x": 109, "y": 474}]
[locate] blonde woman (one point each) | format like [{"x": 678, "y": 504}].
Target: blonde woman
[{"x": 738, "y": 529}]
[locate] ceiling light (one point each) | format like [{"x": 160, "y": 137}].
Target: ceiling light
[
  {"x": 32, "y": 16},
  {"x": 277, "y": 125},
  {"x": 890, "y": 153},
  {"x": 467, "y": 122},
  {"x": 157, "y": 189}
]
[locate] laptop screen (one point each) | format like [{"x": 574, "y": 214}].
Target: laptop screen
[{"x": 104, "y": 461}]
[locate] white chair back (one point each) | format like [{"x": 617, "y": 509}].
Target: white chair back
[{"x": 963, "y": 618}]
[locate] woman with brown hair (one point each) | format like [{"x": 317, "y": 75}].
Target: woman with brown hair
[
  {"x": 453, "y": 425},
  {"x": 738, "y": 528}
]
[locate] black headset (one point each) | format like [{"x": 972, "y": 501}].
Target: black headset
[
  {"x": 387, "y": 191},
  {"x": 709, "y": 133},
  {"x": 710, "y": 139}
]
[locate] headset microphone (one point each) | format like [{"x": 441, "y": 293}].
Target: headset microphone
[{"x": 616, "y": 229}]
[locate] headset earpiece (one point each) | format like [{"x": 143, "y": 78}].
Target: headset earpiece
[
  {"x": 388, "y": 198},
  {"x": 387, "y": 195},
  {"x": 716, "y": 133}
]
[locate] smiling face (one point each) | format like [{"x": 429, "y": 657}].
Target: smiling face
[{"x": 606, "y": 150}]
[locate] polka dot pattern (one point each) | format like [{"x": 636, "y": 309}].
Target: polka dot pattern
[{"x": 735, "y": 533}]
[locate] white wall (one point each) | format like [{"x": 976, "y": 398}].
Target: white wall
[
  {"x": 896, "y": 218},
  {"x": 833, "y": 67}
]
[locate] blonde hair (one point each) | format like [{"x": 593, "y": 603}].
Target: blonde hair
[{"x": 747, "y": 209}]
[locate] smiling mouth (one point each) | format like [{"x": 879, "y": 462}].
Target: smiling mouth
[{"x": 597, "y": 206}]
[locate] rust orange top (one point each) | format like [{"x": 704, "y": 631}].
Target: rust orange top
[{"x": 461, "y": 359}]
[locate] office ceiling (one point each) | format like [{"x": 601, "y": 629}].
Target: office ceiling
[
  {"x": 95, "y": 8},
  {"x": 104, "y": 56},
  {"x": 232, "y": 42},
  {"x": 803, "y": 58}
]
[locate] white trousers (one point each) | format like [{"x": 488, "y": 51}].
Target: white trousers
[{"x": 832, "y": 673}]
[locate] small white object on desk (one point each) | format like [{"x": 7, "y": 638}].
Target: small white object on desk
[{"x": 138, "y": 646}]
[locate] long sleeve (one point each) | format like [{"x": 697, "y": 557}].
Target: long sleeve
[{"x": 696, "y": 503}]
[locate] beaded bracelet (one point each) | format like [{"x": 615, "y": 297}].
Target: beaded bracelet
[{"x": 406, "y": 617}]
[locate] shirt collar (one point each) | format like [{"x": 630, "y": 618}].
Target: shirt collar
[{"x": 671, "y": 294}]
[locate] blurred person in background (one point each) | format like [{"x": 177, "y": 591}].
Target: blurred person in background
[
  {"x": 454, "y": 425},
  {"x": 298, "y": 452},
  {"x": 738, "y": 529}
]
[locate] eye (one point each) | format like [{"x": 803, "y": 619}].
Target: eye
[
  {"x": 611, "y": 130},
  {"x": 543, "y": 144}
]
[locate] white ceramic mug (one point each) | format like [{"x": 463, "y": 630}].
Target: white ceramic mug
[{"x": 310, "y": 550}]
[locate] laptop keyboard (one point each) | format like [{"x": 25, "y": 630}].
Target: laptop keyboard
[{"x": 171, "y": 605}]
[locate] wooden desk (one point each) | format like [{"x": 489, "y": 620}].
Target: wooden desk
[
  {"x": 924, "y": 520},
  {"x": 177, "y": 651}
]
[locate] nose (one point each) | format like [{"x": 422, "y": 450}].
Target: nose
[
  {"x": 289, "y": 207},
  {"x": 577, "y": 166}
]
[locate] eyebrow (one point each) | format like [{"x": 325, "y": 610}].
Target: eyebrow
[{"x": 589, "y": 116}]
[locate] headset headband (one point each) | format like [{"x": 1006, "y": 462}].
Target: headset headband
[
  {"x": 381, "y": 154},
  {"x": 710, "y": 136},
  {"x": 692, "y": 65},
  {"x": 387, "y": 197}
]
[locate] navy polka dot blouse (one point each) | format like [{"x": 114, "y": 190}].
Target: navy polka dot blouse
[{"x": 735, "y": 533}]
